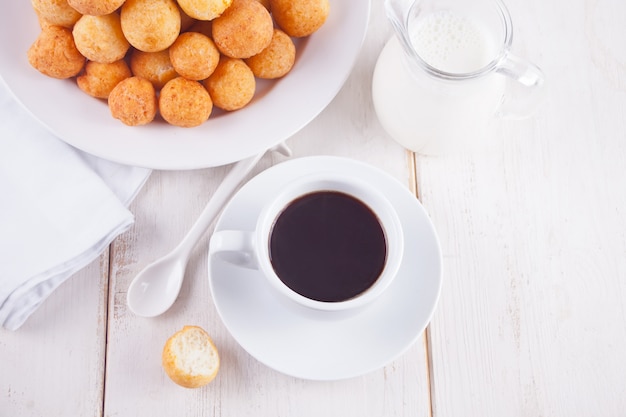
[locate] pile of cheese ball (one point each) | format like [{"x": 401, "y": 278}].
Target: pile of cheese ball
[{"x": 173, "y": 58}]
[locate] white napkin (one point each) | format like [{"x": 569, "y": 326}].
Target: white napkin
[{"x": 59, "y": 210}]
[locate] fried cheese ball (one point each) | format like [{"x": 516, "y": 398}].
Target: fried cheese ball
[
  {"x": 194, "y": 56},
  {"x": 243, "y": 30},
  {"x": 98, "y": 80},
  {"x": 185, "y": 103},
  {"x": 133, "y": 101},
  {"x": 150, "y": 25},
  {"x": 100, "y": 38},
  {"x": 96, "y": 7},
  {"x": 204, "y": 9},
  {"x": 232, "y": 84},
  {"x": 156, "y": 67},
  {"x": 276, "y": 60},
  {"x": 54, "y": 53},
  {"x": 299, "y": 18},
  {"x": 43, "y": 23},
  {"x": 56, "y": 12}
]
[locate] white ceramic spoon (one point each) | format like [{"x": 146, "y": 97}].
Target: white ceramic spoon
[{"x": 156, "y": 287}]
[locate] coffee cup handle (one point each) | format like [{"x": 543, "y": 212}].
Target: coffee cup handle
[
  {"x": 235, "y": 247},
  {"x": 525, "y": 89}
]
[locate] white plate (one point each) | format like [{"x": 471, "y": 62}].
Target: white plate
[
  {"x": 280, "y": 109},
  {"x": 327, "y": 345}
]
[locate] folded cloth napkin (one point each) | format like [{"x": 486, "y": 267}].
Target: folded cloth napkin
[{"x": 59, "y": 210}]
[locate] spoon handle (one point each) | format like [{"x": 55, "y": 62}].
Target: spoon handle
[{"x": 223, "y": 192}]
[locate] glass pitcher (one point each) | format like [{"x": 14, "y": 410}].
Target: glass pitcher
[{"x": 448, "y": 72}]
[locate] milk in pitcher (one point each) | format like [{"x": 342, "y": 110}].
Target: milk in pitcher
[{"x": 422, "y": 109}]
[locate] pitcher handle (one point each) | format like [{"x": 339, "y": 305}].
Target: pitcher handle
[{"x": 526, "y": 88}]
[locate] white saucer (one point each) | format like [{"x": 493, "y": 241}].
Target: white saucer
[{"x": 320, "y": 345}]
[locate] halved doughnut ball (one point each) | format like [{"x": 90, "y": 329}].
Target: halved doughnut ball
[{"x": 190, "y": 358}]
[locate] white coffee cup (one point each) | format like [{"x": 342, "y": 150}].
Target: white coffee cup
[{"x": 252, "y": 248}]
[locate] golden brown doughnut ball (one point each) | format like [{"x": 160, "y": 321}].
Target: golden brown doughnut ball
[
  {"x": 156, "y": 67},
  {"x": 204, "y": 9},
  {"x": 100, "y": 38},
  {"x": 194, "y": 56},
  {"x": 56, "y": 12},
  {"x": 232, "y": 84},
  {"x": 54, "y": 53},
  {"x": 96, "y": 7},
  {"x": 276, "y": 60},
  {"x": 185, "y": 103},
  {"x": 133, "y": 101},
  {"x": 43, "y": 23},
  {"x": 150, "y": 25},
  {"x": 98, "y": 80},
  {"x": 300, "y": 18},
  {"x": 244, "y": 29}
]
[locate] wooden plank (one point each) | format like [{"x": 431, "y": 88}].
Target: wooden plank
[
  {"x": 54, "y": 364},
  {"x": 531, "y": 320}
]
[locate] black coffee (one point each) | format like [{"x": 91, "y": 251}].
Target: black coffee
[{"x": 328, "y": 246}]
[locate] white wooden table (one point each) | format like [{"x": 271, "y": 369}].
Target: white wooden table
[{"x": 532, "y": 317}]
